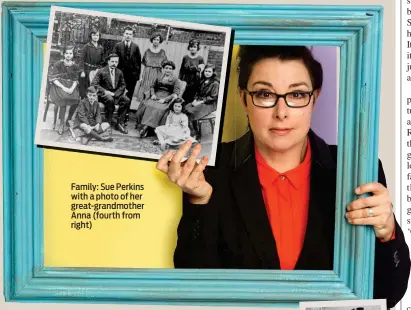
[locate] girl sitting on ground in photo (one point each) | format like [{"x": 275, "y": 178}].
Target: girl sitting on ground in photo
[{"x": 175, "y": 131}]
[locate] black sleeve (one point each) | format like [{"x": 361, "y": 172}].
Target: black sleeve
[
  {"x": 392, "y": 263},
  {"x": 198, "y": 243}
]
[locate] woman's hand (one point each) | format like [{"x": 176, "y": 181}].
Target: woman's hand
[
  {"x": 188, "y": 175},
  {"x": 83, "y": 74},
  {"x": 161, "y": 101},
  {"x": 154, "y": 97},
  {"x": 374, "y": 210}
]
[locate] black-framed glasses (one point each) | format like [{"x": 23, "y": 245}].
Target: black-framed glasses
[{"x": 294, "y": 99}]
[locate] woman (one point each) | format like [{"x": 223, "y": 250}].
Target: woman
[
  {"x": 163, "y": 90},
  {"x": 153, "y": 57},
  {"x": 271, "y": 202},
  {"x": 205, "y": 100},
  {"x": 64, "y": 91},
  {"x": 190, "y": 70},
  {"x": 91, "y": 59}
]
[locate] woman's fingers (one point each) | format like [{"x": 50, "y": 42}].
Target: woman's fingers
[
  {"x": 174, "y": 168},
  {"x": 162, "y": 163},
  {"x": 189, "y": 165},
  {"x": 365, "y": 202},
  {"x": 366, "y": 214},
  {"x": 197, "y": 173},
  {"x": 373, "y": 187}
]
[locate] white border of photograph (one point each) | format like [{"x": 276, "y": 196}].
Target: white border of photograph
[
  {"x": 179, "y": 24},
  {"x": 344, "y": 304}
]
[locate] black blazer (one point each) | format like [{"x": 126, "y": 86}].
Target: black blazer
[
  {"x": 102, "y": 81},
  {"x": 133, "y": 65},
  {"x": 233, "y": 229}
]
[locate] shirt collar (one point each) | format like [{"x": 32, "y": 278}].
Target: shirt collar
[
  {"x": 244, "y": 150},
  {"x": 297, "y": 176}
]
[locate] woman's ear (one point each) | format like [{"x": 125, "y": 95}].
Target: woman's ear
[
  {"x": 316, "y": 94},
  {"x": 243, "y": 99}
]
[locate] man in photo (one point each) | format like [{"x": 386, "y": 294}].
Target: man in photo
[
  {"x": 89, "y": 116},
  {"x": 111, "y": 86},
  {"x": 130, "y": 60}
]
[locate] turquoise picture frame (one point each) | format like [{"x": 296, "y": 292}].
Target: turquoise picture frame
[{"x": 357, "y": 30}]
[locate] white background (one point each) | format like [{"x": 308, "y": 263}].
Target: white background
[{"x": 388, "y": 147}]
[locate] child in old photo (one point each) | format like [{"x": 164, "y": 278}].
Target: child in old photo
[
  {"x": 175, "y": 131},
  {"x": 89, "y": 117}
]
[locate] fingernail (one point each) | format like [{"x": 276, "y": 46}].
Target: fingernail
[{"x": 357, "y": 190}]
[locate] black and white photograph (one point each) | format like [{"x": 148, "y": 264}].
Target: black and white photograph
[
  {"x": 368, "y": 304},
  {"x": 133, "y": 86}
]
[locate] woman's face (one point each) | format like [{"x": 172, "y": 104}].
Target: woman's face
[
  {"x": 208, "y": 72},
  {"x": 280, "y": 128},
  {"x": 68, "y": 55},
  {"x": 95, "y": 37},
  {"x": 193, "y": 49},
  {"x": 168, "y": 69},
  {"x": 156, "y": 41}
]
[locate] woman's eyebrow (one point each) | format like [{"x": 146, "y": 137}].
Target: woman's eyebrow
[
  {"x": 264, "y": 83},
  {"x": 298, "y": 84}
]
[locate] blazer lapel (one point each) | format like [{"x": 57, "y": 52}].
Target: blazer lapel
[
  {"x": 317, "y": 251},
  {"x": 108, "y": 72},
  {"x": 247, "y": 192}
]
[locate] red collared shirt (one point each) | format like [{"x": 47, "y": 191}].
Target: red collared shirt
[{"x": 286, "y": 196}]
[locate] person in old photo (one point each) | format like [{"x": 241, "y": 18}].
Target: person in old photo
[
  {"x": 191, "y": 68},
  {"x": 91, "y": 59},
  {"x": 111, "y": 87},
  {"x": 205, "y": 100},
  {"x": 88, "y": 116},
  {"x": 129, "y": 60},
  {"x": 64, "y": 88},
  {"x": 152, "y": 112},
  {"x": 153, "y": 59},
  {"x": 176, "y": 130}
]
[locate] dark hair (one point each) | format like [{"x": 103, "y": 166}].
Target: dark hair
[
  {"x": 128, "y": 28},
  {"x": 112, "y": 56},
  {"x": 207, "y": 66},
  {"x": 194, "y": 42},
  {"x": 93, "y": 31},
  {"x": 68, "y": 48},
  {"x": 91, "y": 89},
  {"x": 155, "y": 35},
  {"x": 249, "y": 55},
  {"x": 168, "y": 63},
  {"x": 177, "y": 100}
]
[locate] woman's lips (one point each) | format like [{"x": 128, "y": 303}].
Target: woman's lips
[{"x": 280, "y": 131}]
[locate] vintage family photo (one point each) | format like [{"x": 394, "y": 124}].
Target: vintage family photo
[{"x": 131, "y": 86}]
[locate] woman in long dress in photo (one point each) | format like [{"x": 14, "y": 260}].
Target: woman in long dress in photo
[
  {"x": 64, "y": 88},
  {"x": 205, "y": 100},
  {"x": 152, "y": 111},
  {"x": 152, "y": 60},
  {"x": 91, "y": 59},
  {"x": 190, "y": 70}
]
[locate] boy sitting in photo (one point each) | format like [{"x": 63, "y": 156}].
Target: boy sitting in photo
[{"x": 89, "y": 117}]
